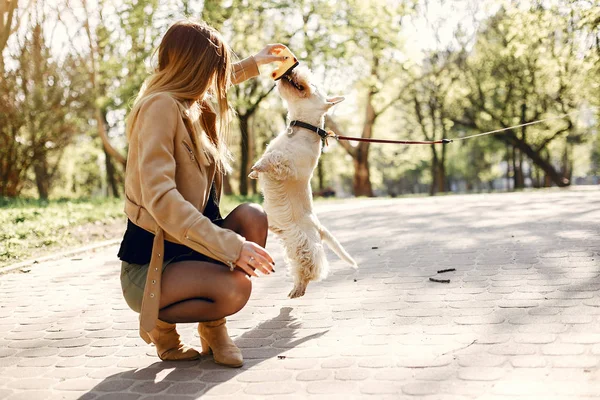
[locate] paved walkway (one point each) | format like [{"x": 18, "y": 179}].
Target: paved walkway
[{"x": 520, "y": 318}]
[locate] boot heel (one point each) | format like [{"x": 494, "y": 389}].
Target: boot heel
[
  {"x": 205, "y": 347},
  {"x": 215, "y": 339},
  {"x": 144, "y": 335}
]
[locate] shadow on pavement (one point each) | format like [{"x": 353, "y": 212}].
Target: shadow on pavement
[{"x": 190, "y": 379}]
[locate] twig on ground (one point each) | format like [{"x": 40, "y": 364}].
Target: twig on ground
[
  {"x": 441, "y": 271},
  {"x": 461, "y": 348},
  {"x": 439, "y": 280}
]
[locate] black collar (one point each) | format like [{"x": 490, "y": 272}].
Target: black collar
[{"x": 321, "y": 132}]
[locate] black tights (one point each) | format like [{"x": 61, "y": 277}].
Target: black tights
[{"x": 197, "y": 291}]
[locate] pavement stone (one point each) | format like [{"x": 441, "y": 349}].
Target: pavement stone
[{"x": 520, "y": 318}]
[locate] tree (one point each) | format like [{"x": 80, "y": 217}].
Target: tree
[
  {"x": 14, "y": 157},
  {"x": 117, "y": 48},
  {"x": 375, "y": 31},
  {"x": 50, "y": 103},
  {"x": 429, "y": 96},
  {"x": 511, "y": 80},
  {"x": 39, "y": 115},
  {"x": 95, "y": 45},
  {"x": 248, "y": 30}
]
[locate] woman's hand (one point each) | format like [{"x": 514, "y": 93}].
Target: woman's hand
[
  {"x": 269, "y": 54},
  {"x": 253, "y": 257}
]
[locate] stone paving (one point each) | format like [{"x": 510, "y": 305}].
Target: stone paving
[{"x": 520, "y": 318}]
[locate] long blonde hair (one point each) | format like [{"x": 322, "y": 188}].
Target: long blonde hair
[{"x": 193, "y": 62}]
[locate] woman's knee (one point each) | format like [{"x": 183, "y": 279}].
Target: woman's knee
[
  {"x": 253, "y": 213},
  {"x": 252, "y": 220},
  {"x": 238, "y": 293}
]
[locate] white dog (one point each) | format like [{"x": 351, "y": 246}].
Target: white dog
[{"x": 284, "y": 172}]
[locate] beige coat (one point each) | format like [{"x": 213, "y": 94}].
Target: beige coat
[{"x": 167, "y": 188}]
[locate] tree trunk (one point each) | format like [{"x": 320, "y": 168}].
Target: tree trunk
[
  {"x": 108, "y": 148},
  {"x": 519, "y": 179},
  {"x": 245, "y": 154},
  {"x": 251, "y": 156},
  {"x": 547, "y": 180},
  {"x": 434, "y": 169},
  {"x": 227, "y": 189},
  {"x": 42, "y": 180},
  {"x": 507, "y": 167},
  {"x": 515, "y": 168},
  {"x": 111, "y": 172},
  {"x": 441, "y": 177},
  {"x": 536, "y": 157},
  {"x": 518, "y": 155},
  {"x": 362, "y": 182},
  {"x": 362, "y": 178},
  {"x": 567, "y": 163},
  {"x": 321, "y": 174}
]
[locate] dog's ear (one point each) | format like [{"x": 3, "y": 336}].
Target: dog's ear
[{"x": 332, "y": 101}]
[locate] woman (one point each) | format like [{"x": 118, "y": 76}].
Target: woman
[{"x": 181, "y": 261}]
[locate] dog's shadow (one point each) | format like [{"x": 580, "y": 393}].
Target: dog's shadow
[{"x": 194, "y": 378}]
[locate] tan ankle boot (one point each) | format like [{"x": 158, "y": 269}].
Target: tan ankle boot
[
  {"x": 213, "y": 336},
  {"x": 167, "y": 342}
]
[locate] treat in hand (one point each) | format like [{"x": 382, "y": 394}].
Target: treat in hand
[{"x": 286, "y": 66}]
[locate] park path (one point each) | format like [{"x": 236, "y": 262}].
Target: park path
[{"x": 520, "y": 318}]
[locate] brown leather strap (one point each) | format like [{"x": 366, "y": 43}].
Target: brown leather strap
[
  {"x": 356, "y": 139},
  {"x": 151, "y": 299}
]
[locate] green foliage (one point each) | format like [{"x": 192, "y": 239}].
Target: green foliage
[{"x": 520, "y": 61}]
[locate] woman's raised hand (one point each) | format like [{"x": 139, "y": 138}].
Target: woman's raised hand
[
  {"x": 253, "y": 257},
  {"x": 269, "y": 54}
]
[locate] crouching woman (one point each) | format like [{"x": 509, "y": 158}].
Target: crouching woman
[{"x": 182, "y": 262}]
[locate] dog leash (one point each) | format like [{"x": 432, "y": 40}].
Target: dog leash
[{"x": 325, "y": 134}]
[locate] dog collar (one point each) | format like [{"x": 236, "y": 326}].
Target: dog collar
[{"x": 321, "y": 132}]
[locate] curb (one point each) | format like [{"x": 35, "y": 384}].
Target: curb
[{"x": 39, "y": 260}]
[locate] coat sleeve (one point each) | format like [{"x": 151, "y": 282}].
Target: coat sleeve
[
  {"x": 244, "y": 70},
  {"x": 158, "y": 119}
]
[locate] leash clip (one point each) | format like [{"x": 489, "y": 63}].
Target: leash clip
[
  {"x": 289, "y": 131},
  {"x": 332, "y": 134}
]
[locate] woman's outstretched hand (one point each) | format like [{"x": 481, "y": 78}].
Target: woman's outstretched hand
[
  {"x": 269, "y": 54},
  {"x": 253, "y": 257}
]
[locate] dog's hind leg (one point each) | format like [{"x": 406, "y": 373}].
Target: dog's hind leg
[
  {"x": 337, "y": 248},
  {"x": 308, "y": 262}
]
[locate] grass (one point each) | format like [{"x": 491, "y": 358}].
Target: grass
[{"x": 32, "y": 228}]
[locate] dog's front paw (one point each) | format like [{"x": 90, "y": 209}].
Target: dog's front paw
[
  {"x": 253, "y": 175},
  {"x": 298, "y": 291}
]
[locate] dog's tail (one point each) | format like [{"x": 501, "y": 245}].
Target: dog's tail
[{"x": 337, "y": 248}]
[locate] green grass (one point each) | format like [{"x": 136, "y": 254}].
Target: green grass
[{"x": 32, "y": 228}]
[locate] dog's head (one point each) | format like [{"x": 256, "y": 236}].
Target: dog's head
[{"x": 303, "y": 97}]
